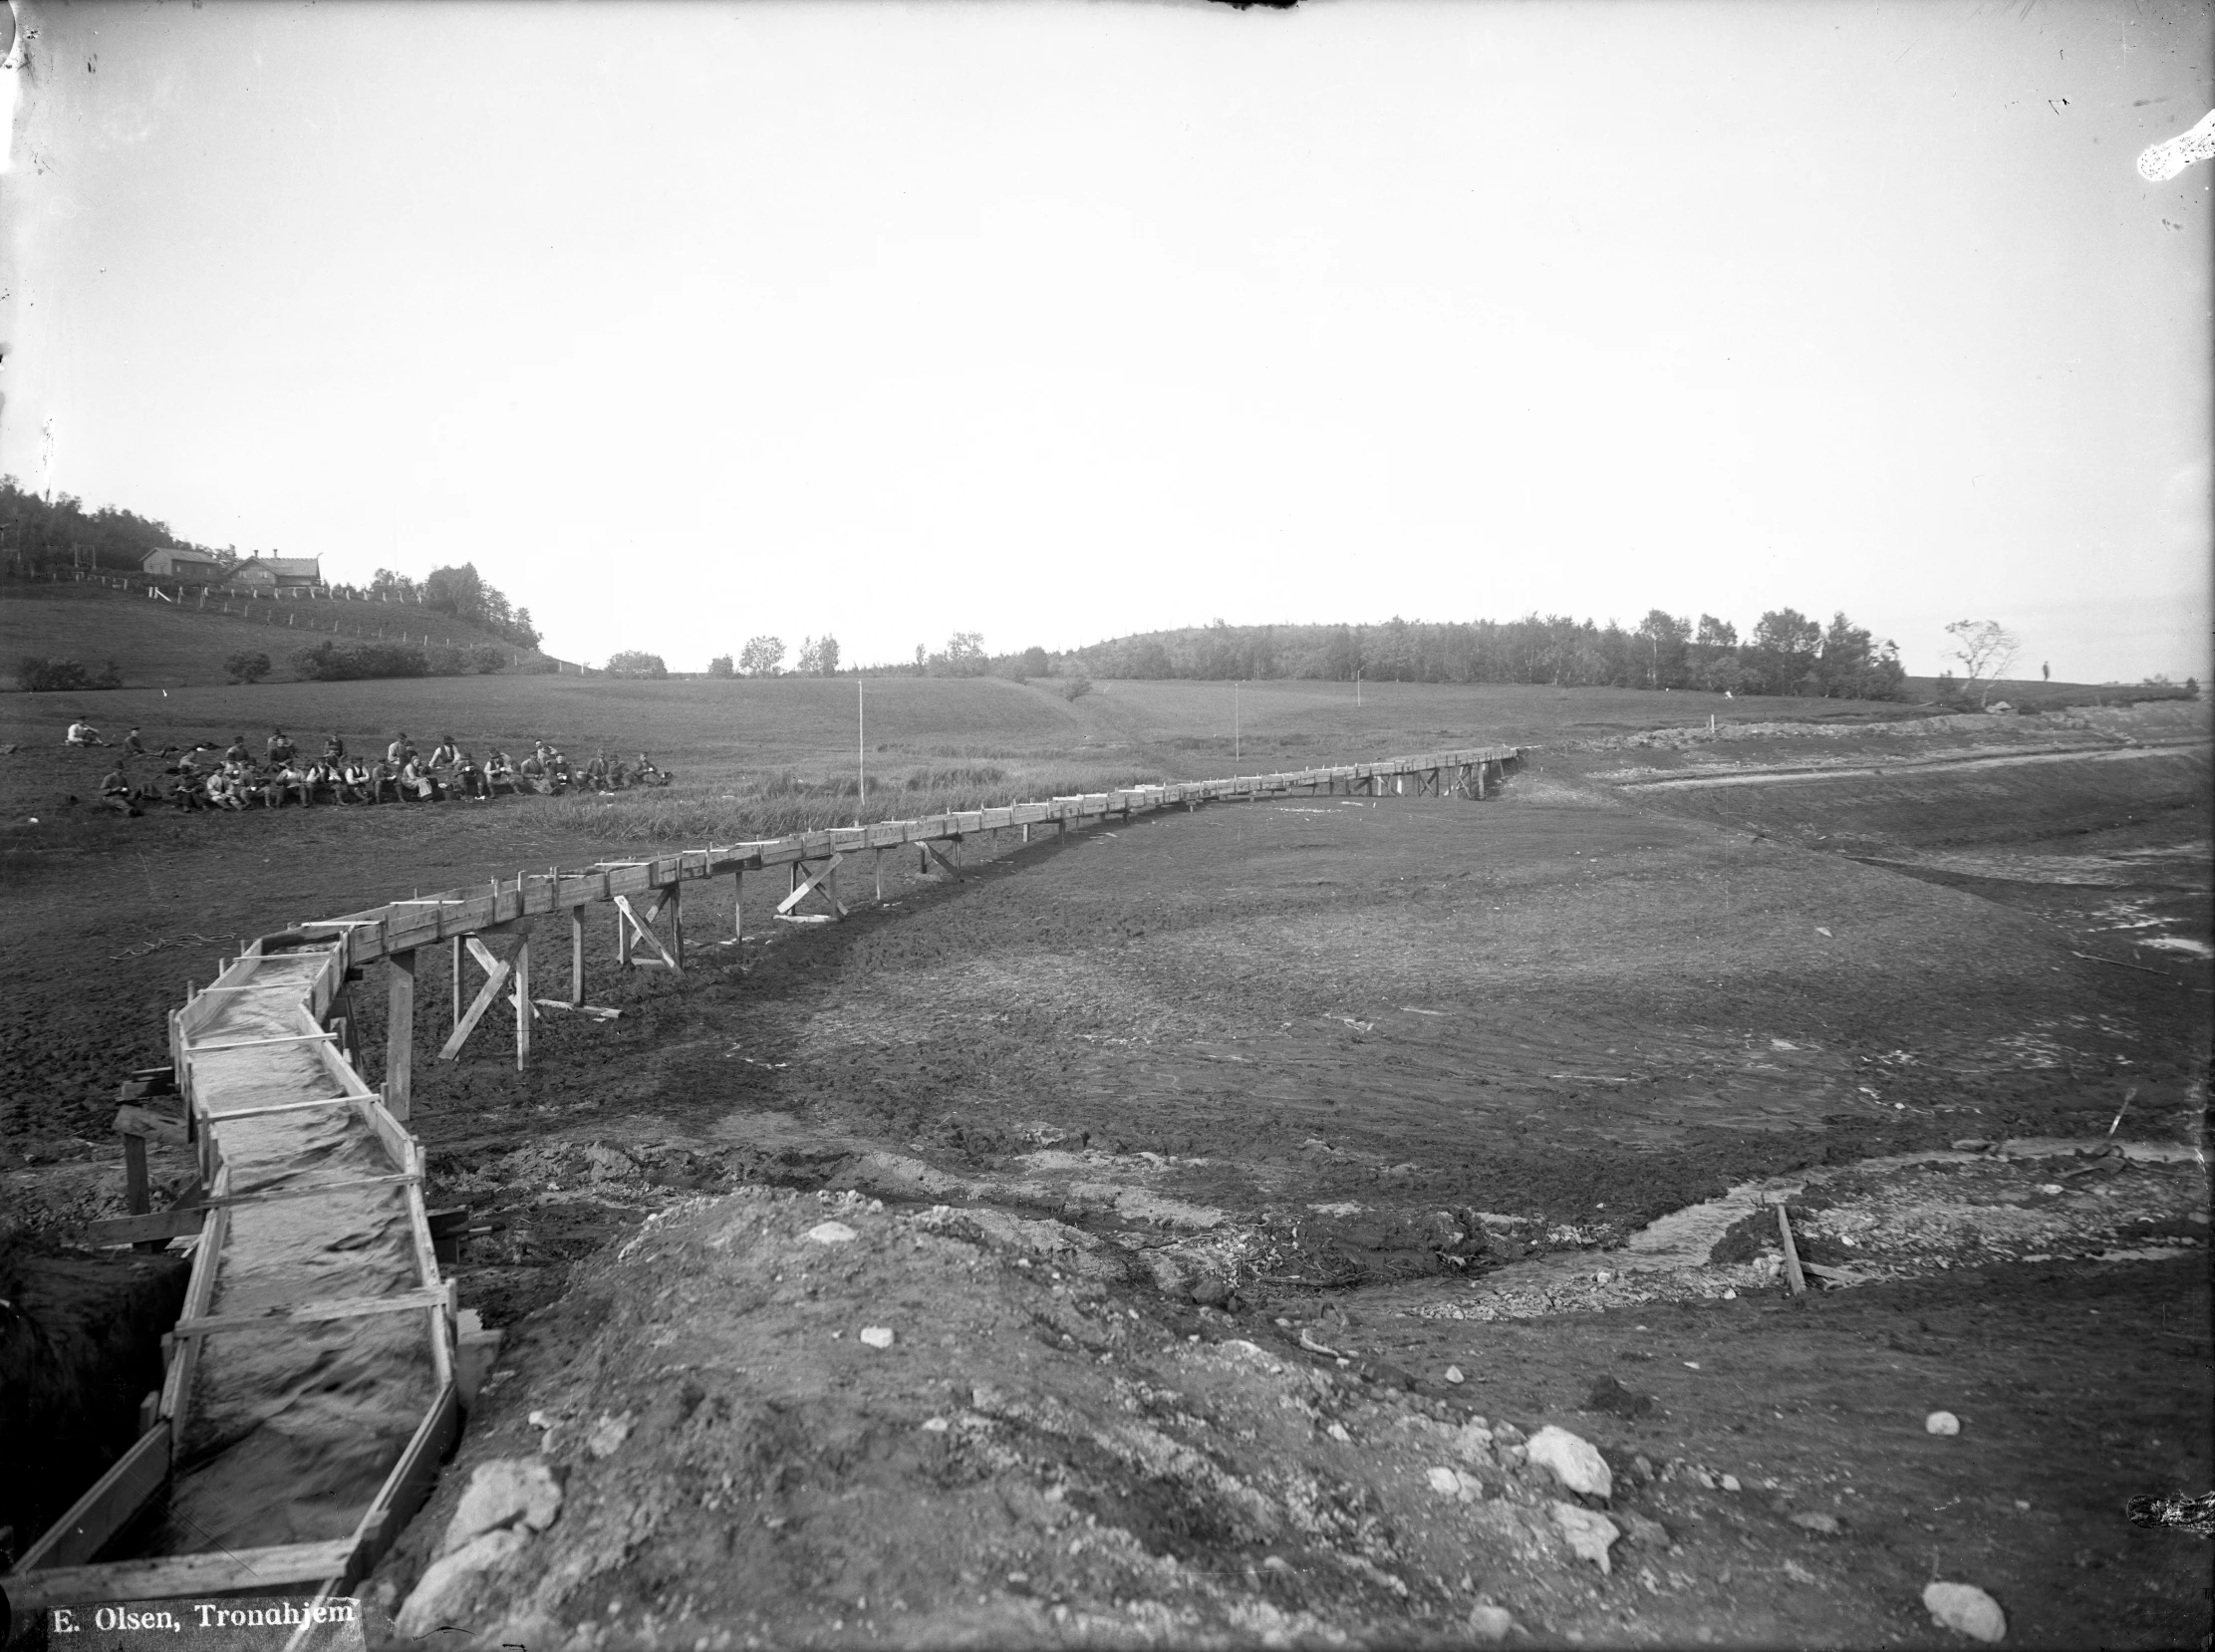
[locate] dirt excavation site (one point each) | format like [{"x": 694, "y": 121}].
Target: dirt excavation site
[{"x": 1324, "y": 1221}]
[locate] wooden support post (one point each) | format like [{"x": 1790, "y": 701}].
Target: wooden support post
[
  {"x": 623, "y": 940},
  {"x": 880, "y": 871},
  {"x": 454, "y": 946},
  {"x": 524, "y": 1009},
  {"x": 576, "y": 956},
  {"x": 672, "y": 903},
  {"x": 1480, "y": 782},
  {"x": 136, "y": 1198},
  {"x": 400, "y": 1033},
  {"x": 739, "y": 906},
  {"x": 1792, "y": 1276}
]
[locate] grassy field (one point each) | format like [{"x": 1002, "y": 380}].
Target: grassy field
[{"x": 157, "y": 645}]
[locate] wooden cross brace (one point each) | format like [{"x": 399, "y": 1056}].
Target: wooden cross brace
[
  {"x": 498, "y": 972},
  {"x": 929, "y": 852},
  {"x": 820, "y": 878},
  {"x": 630, "y": 926}
]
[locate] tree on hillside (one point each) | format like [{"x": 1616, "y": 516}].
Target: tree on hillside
[
  {"x": 819, "y": 656},
  {"x": 636, "y": 662},
  {"x": 1660, "y": 649},
  {"x": 1783, "y": 649},
  {"x": 720, "y": 666},
  {"x": 246, "y": 666},
  {"x": 1986, "y": 649},
  {"x": 1855, "y": 666},
  {"x": 762, "y": 656}
]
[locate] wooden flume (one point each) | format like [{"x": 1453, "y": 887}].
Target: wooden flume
[{"x": 302, "y": 975}]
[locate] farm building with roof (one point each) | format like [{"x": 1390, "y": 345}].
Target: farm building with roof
[
  {"x": 278, "y": 570},
  {"x": 182, "y": 562}
]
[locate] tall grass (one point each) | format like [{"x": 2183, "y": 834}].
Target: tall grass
[{"x": 783, "y": 802}]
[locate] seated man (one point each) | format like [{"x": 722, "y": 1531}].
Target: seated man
[
  {"x": 533, "y": 774},
  {"x": 354, "y": 782},
  {"x": 384, "y": 778},
  {"x": 237, "y": 752},
  {"x": 299, "y": 779},
  {"x": 619, "y": 775},
  {"x": 447, "y": 755},
  {"x": 399, "y": 751},
  {"x": 499, "y": 772},
  {"x": 224, "y": 790},
  {"x": 278, "y": 750},
  {"x": 595, "y": 772},
  {"x": 559, "y": 777},
  {"x": 649, "y": 775},
  {"x": 468, "y": 779},
  {"x": 416, "y": 782},
  {"x": 81, "y": 733},
  {"x": 334, "y": 748},
  {"x": 270, "y": 783},
  {"x": 189, "y": 793},
  {"x": 132, "y": 745},
  {"x": 115, "y": 792}
]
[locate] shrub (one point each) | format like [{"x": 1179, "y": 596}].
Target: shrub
[
  {"x": 37, "y": 674},
  {"x": 245, "y": 666},
  {"x": 1076, "y": 687},
  {"x": 720, "y": 666},
  {"x": 328, "y": 662}
]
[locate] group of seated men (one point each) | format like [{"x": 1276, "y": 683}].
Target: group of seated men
[{"x": 236, "y": 779}]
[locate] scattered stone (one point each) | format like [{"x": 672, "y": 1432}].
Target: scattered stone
[
  {"x": 1473, "y": 1441},
  {"x": 1645, "y": 1531},
  {"x": 1490, "y": 1625},
  {"x": 1729, "y": 1483},
  {"x": 451, "y": 1585},
  {"x": 608, "y": 1435},
  {"x": 1941, "y": 1421},
  {"x": 935, "y": 1425},
  {"x": 503, "y": 1493},
  {"x": 1641, "y": 1470},
  {"x": 1211, "y": 1292},
  {"x": 1446, "y": 1483},
  {"x": 1454, "y": 1374},
  {"x": 1609, "y": 1395},
  {"x": 1730, "y": 1296},
  {"x": 1589, "y": 1534},
  {"x": 877, "y": 1336},
  {"x": 1966, "y": 1608},
  {"x": 1337, "y": 1431},
  {"x": 1814, "y": 1519},
  {"x": 832, "y": 1232},
  {"x": 1576, "y": 1462},
  {"x": 1973, "y": 1144}
]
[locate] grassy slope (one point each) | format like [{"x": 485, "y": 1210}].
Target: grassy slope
[{"x": 161, "y": 646}]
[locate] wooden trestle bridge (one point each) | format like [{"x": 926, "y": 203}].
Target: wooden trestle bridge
[{"x": 321, "y": 1366}]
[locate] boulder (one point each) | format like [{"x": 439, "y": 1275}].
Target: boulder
[
  {"x": 1967, "y": 1609},
  {"x": 1589, "y": 1534},
  {"x": 448, "y": 1589},
  {"x": 505, "y": 1493},
  {"x": 1576, "y": 1463}
]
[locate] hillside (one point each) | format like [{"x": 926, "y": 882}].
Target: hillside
[{"x": 160, "y": 645}]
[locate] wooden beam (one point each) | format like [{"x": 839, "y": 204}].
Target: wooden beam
[
  {"x": 739, "y": 906},
  {"x": 525, "y": 1011},
  {"x": 144, "y": 1122},
  {"x": 113, "y": 1502},
  {"x": 486, "y": 994},
  {"x": 161, "y": 1225},
  {"x": 276, "y": 1107},
  {"x": 400, "y": 1033},
  {"x": 408, "y": 1485},
  {"x": 353, "y": 1307},
  {"x": 179, "y": 1576},
  {"x": 454, "y": 946},
  {"x": 821, "y": 878},
  {"x": 673, "y": 902},
  {"x": 576, "y": 957},
  {"x": 931, "y": 852},
  {"x": 312, "y": 1191}
]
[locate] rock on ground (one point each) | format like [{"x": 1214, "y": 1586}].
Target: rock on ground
[
  {"x": 1966, "y": 1608},
  {"x": 1575, "y": 1462}
]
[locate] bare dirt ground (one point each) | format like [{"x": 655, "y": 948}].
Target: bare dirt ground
[{"x": 1351, "y": 1095}]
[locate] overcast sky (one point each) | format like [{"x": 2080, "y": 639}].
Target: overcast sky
[{"x": 1058, "y": 320}]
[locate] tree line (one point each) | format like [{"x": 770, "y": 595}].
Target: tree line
[{"x": 1786, "y": 652}]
